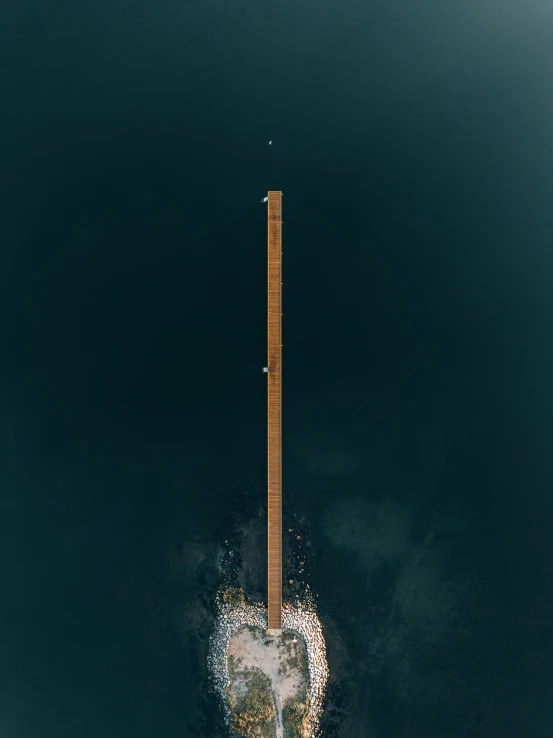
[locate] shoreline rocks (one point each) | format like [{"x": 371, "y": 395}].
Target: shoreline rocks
[{"x": 300, "y": 618}]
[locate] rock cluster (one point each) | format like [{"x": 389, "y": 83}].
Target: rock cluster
[{"x": 300, "y": 618}]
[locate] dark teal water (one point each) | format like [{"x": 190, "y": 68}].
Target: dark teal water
[{"x": 412, "y": 144}]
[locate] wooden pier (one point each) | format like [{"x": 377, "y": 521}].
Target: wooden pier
[{"x": 274, "y": 330}]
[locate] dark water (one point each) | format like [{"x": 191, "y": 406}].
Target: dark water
[{"x": 412, "y": 142}]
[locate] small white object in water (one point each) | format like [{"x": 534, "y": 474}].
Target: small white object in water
[{"x": 270, "y": 143}]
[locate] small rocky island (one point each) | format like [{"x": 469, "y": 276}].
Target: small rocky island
[{"x": 268, "y": 683}]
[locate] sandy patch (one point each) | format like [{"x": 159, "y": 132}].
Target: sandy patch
[{"x": 283, "y": 659}]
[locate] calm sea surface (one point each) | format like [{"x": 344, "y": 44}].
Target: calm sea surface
[{"x": 412, "y": 142}]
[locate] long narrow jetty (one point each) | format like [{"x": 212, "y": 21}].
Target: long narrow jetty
[{"x": 274, "y": 326}]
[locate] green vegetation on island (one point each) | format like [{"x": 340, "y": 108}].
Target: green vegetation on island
[
  {"x": 255, "y": 697},
  {"x": 251, "y": 702},
  {"x": 293, "y": 719}
]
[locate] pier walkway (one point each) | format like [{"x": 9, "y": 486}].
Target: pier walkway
[{"x": 274, "y": 330}]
